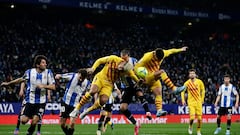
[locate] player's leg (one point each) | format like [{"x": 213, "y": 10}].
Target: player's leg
[
  {"x": 229, "y": 114},
  {"x": 63, "y": 117},
  {"x": 192, "y": 112},
  {"x": 108, "y": 109},
  {"x": 126, "y": 100},
  {"x": 157, "y": 91},
  {"x": 71, "y": 126},
  {"x": 39, "y": 125},
  {"x": 64, "y": 127},
  {"x": 199, "y": 118},
  {"x": 144, "y": 103},
  {"x": 38, "y": 110},
  {"x": 103, "y": 115},
  {"x": 221, "y": 112},
  {"x": 26, "y": 113},
  {"x": 33, "y": 125},
  {"x": 164, "y": 77},
  {"x": 95, "y": 87},
  {"x": 104, "y": 94},
  {"x": 72, "y": 122},
  {"x": 16, "y": 131}
]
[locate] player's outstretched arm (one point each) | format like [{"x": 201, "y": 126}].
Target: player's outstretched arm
[
  {"x": 237, "y": 100},
  {"x": 98, "y": 62},
  {"x": 49, "y": 86},
  {"x": 174, "y": 50},
  {"x": 16, "y": 81},
  {"x": 22, "y": 88},
  {"x": 217, "y": 100}
]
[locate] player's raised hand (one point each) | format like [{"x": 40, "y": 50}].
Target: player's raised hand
[
  {"x": 4, "y": 84},
  {"x": 184, "y": 48}
]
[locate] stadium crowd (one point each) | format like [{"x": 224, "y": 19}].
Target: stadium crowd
[{"x": 73, "y": 45}]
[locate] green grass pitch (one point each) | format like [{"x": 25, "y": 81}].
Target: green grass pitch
[{"x": 146, "y": 129}]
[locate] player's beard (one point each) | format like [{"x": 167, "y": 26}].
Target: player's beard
[{"x": 42, "y": 69}]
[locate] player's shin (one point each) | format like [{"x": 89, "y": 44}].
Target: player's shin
[
  {"x": 129, "y": 115},
  {"x": 106, "y": 121},
  {"x": 158, "y": 102},
  {"x": 84, "y": 100},
  {"x": 191, "y": 120},
  {"x": 70, "y": 131},
  {"x": 144, "y": 103},
  {"x": 199, "y": 124},
  {"x": 167, "y": 81},
  {"x": 228, "y": 124},
  {"x": 39, "y": 125},
  {"x": 31, "y": 129},
  {"x": 100, "y": 122},
  {"x": 64, "y": 129},
  {"x": 95, "y": 106},
  {"x": 218, "y": 122}
]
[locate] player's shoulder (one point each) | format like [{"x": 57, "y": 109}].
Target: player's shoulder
[
  {"x": 231, "y": 85},
  {"x": 49, "y": 71},
  {"x": 133, "y": 58},
  {"x": 148, "y": 53},
  {"x": 28, "y": 70},
  {"x": 199, "y": 80}
]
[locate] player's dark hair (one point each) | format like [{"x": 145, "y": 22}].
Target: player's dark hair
[
  {"x": 192, "y": 70},
  {"x": 83, "y": 73},
  {"x": 38, "y": 59},
  {"x": 125, "y": 52},
  {"x": 159, "y": 53},
  {"x": 227, "y": 75}
]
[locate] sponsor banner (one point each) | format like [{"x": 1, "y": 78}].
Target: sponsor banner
[
  {"x": 54, "y": 108},
  {"x": 125, "y": 7},
  {"x": 121, "y": 119}
]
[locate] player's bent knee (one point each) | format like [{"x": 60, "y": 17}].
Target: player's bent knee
[
  {"x": 103, "y": 99},
  {"x": 93, "y": 89},
  {"x": 123, "y": 107},
  {"x": 35, "y": 119},
  {"x": 63, "y": 121},
  {"x": 24, "y": 119}
]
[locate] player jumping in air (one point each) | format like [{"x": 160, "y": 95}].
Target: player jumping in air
[{"x": 152, "y": 61}]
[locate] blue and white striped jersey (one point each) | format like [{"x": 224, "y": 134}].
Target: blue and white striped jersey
[
  {"x": 226, "y": 93},
  {"x": 33, "y": 94},
  {"x": 127, "y": 81},
  {"x": 74, "y": 88}
]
